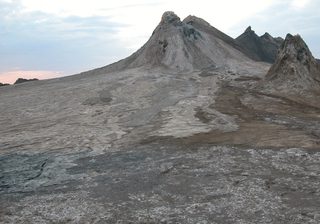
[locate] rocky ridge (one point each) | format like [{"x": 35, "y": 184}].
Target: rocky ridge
[
  {"x": 263, "y": 48},
  {"x": 295, "y": 69}
]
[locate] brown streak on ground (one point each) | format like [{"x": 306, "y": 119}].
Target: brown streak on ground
[{"x": 254, "y": 130}]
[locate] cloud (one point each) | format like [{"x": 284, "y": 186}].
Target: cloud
[
  {"x": 85, "y": 8},
  {"x": 299, "y": 3},
  {"x": 141, "y": 17},
  {"x": 35, "y": 40}
]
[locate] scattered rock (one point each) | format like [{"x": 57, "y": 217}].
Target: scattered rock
[
  {"x": 97, "y": 100},
  {"x": 166, "y": 168},
  {"x": 247, "y": 78},
  {"x": 207, "y": 74}
]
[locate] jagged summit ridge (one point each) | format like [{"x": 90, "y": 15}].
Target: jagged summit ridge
[
  {"x": 295, "y": 68},
  {"x": 249, "y": 30},
  {"x": 267, "y": 36},
  {"x": 263, "y": 48}
]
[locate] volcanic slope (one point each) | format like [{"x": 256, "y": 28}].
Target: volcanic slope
[
  {"x": 283, "y": 105},
  {"x": 185, "y": 46},
  {"x": 164, "y": 136}
]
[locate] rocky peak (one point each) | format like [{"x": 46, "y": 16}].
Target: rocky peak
[
  {"x": 267, "y": 36},
  {"x": 170, "y": 17},
  {"x": 193, "y": 19},
  {"x": 294, "y": 49},
  {"x": 295, "y": 67},
  {"x": 249, "y": 33},
  {"x": 249, "y": 30},
  {"x": 188, "y": 45},
  {"x": 263, "y": 48},
  {"x": 171, "y": 25}
]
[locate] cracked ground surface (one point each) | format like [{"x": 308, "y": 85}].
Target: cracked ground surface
[{"x": 137, "y": 147}]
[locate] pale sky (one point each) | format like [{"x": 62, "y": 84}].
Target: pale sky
[{"x": 46, "y": 38}]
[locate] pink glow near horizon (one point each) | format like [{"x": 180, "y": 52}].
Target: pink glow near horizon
[{"x": 12, "y": 76}]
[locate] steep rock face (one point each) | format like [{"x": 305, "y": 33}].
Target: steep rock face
[
  {"x": 172, "y": 45},
  {"x": 295, "y": 69},
  {"x": 204, "y": 26},
  {"x": 188, "y": 45},
  {"x": 264, "y": 48}
]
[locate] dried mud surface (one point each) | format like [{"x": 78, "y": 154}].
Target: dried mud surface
[
  {"x": 265, "y": 120},
  {"x": 163, "y": 183},
  {"x": 152, "y": 147}
]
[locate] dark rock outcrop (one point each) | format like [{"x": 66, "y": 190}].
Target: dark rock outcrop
[
  {"x": 4, "y": 84},
  {"x": 295, "y": 69},
  {"x": 263, "y": 48},
  {"x": 21, "y": 80}
]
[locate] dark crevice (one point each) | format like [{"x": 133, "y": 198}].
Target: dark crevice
[{"x": 40, "y": 171}]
